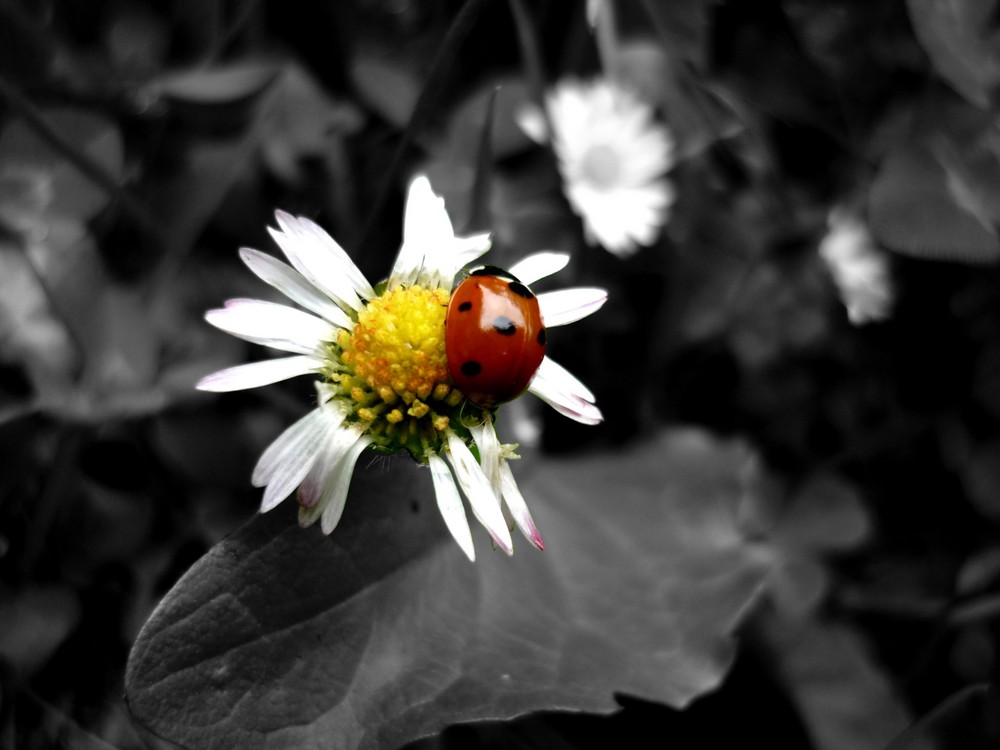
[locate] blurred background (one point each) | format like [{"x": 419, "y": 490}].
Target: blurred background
[{"x": 821, "y": 286}]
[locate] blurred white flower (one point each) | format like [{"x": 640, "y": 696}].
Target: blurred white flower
[
  {"x": 613, "y": 154},
  {"x": 381, "y": 356},
  {"x": 859, "y": 269}
]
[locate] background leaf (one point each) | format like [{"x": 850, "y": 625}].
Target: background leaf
[
  {"x": 74, "y": 194},
  {"x": 379, "y": 634},
  {"x": 389, "y": 87},
  {"x": 223, "y": 85},
  {"x": 913, "y": 212},
  {"x": 960, "y": 37}
]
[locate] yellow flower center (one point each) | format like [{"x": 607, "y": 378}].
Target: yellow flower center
[
  {"x": 398, "y": 343},
  {"x": 392, "y": 369}
]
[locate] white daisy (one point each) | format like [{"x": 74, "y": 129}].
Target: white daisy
[
  {"x": 612, "y": 153},
  {"x": 381, "y": 359},
  {"x": 860, "y": 271}
]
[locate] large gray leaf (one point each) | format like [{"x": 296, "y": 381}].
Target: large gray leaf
[{"x": 383, "y": 632}]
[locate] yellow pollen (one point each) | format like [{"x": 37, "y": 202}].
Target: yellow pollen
[
  {"x": 398, "y": 346},
  {"x": 391, "y": 372},
  {"x": 419, "y": 409}
]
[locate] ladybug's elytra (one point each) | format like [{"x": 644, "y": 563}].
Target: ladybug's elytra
[{"x": 494, "y": 336}]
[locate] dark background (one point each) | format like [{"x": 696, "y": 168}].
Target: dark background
[{"x": 142, "y": 143}]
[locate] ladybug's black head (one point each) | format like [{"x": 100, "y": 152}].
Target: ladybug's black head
[{"x": 494, "y": 271}]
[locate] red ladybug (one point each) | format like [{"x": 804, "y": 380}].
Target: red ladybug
[{"x": 494, "y": 336}]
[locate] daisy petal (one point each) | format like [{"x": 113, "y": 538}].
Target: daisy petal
[
  {"x": 294, "y": 285},
  {"x": 488, "y": 443},
  {"x": 538, "y": 266},
  {"x": 570, "y": 305},
  {"x": 477, "y": 489},
  {"x": 567, "y": 381},
  {"x": 311, "y": 229},
  {"x": 427, "y": 230},
  {"x": 426, "y": 220},
  {"x": 339, "y": 479},
  {"x": 518, "y": 508},
  {"x": 257, "y": 374},
  {"x": 450, "y": 505},
  {"x": 288, "y": 459},
  {"x": 459, "y": 252},
  {"x": 319, "y": 259},
  {"x": 308, "y": 515},
  {"x": 312, "y": 487},
  {"x": 308, "y": 431},
  {"x": 273, "y": 325},
  {"x": 562, "y": 394}
]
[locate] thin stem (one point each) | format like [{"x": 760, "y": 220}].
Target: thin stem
[
  {"x": 949, "y": 708},
  {"x": 479, "y": 210},
  {"x": 428, "y": 98},
  {"x": 531, "y": 53},
  {"x": 57, "y": 487}
]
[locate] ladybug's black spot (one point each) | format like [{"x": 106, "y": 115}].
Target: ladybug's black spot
[
  {"x": 465, "y": 306},
  {"x": 471, "y": 368},
  {"x": 521, "y": 290},
  {"x": 504, "y": 325},
  {"x": 541, "y": 337}
]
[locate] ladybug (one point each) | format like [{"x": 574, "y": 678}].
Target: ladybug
[{"x": 494, "y": 336}]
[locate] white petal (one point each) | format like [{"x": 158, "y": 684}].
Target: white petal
[
  {"x": 518, "y": 508},
  {"x": 570, "y": 305},
  {"x": 488, "y": 443},
  {"x": 288, "y": 459},
  {"x": 335, "y": 495},
  {"x": 450, "y": 258},
  {"x": 307, "y": 431},
  {"x": 317, "y": 482},
  {"x": 565, "y": 380},
  {"x": 431, "y": 254},
  {"x": 480, "y": 494},
  {"x": 538, "y": 266},
  {"x": 450, "y": 505},
  {"x": 316, "y": 256},
  {"x": 256, "y": 374},
  {"x": 311, "y": 229},
  {"x": 309, "y": 515},
  {"x": 277, "y": 326},
  {"x": 426, "y": 220},
  {"x": 314, "y": 485},
  {"x": 553, "y": 391},
  {"x": 294, "y": 285},
  {"x": 426, "y": 230}
]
